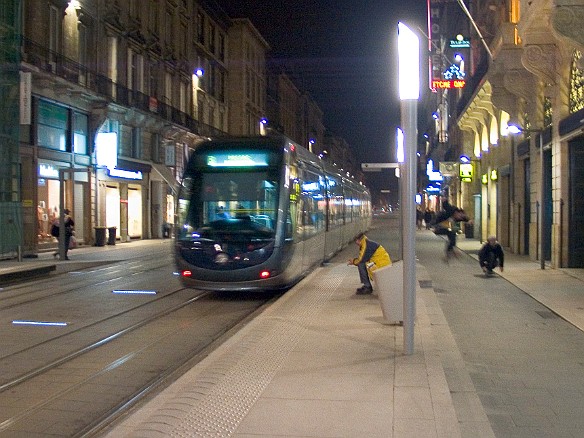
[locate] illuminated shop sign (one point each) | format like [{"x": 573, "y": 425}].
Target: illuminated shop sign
[
  {"x": 441, "y": 83},
  {"x": 251, "y": 159},
  {"x": 127, "y": 174},
  {"x": 466, "y": 172},
  {"x": 106, "y": 149},
  {"x": 48, "y": 171},
  {"x": 432, "y": 174},
  {"x": 460, "y": 42}
]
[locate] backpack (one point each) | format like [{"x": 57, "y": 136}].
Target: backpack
[{"x": 55, "y": 230}]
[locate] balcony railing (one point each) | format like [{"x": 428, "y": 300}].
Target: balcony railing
[{"x": 52, "y": 62}]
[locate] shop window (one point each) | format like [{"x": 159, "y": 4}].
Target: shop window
[{"x": 52, "y": 126}]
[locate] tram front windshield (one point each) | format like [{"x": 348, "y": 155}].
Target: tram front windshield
[{"x": 227, "y": 215}]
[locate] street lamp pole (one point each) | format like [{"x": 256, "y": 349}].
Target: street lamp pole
[{"x": 409, "y": 93}]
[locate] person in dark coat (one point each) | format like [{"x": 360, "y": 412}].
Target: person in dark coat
[
  {"x": 428, "y": 218},
  {"x": 491, "y": 255},
  {"x": 442, "y": 225},
  {"x": 69, "y": 227}
]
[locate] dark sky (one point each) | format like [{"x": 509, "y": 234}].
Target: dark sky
[{"x": 343, "y": 52}]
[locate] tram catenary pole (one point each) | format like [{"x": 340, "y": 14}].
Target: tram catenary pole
[{"x": 409, "y": 93}]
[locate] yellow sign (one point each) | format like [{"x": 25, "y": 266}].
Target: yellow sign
[
  {"x": 494, "y": 175},
  {"x": 465, "y": 172}
]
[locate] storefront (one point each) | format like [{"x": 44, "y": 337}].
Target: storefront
[
  {"x": 121, "y": 199},
  {"x": 48, "y": 200}
]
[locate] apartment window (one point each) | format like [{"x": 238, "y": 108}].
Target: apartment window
[
  {"x": 221, "y": 86},
  {"x": 112, "y": 66},
  {"x": 53, "y": 126},
  {"x": 221, "y": 47},
  {"x": 212, "y": 38},
  {"x": 153, "y": 19},
  {"x": 134, "y": 10},
  {"x": 212, "y": 80},
  {"x": 183, "y": 97},
  {"x": 80, "y": 133},
  {"x": 200, "y": 28},
  {"x": 167, "y": 88},
  {"x": 183, "y": 41},
  {"x": 153, "y": 79},
  {"x": 132, "y": 70},
  {"x": 82, "y": 53},
  {"x": 169, "y": 28},
  {"x": 136, "y": 142},
  {"x": 54, "y": 34}
]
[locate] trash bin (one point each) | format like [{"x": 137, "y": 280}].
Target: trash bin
[
  {"x": 389, "y": 286},
  {"x": 111, "y": 240},
  {"x": 469, "y": 230},
  {"x": 100, "y": 236}
]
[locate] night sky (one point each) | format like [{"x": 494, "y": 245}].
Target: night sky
[{"x": 344, "y": 53}]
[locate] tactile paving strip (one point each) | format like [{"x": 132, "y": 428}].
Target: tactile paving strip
[{"x": 215, "y": 403}]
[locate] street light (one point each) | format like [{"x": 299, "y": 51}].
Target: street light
[
  {"x": 197, "y": 75},
  {"x": 514, "y": 129},
  {"x": 409, "y": 92}
]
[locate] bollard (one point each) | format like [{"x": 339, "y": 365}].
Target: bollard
[{"x": 389, "y": 286}]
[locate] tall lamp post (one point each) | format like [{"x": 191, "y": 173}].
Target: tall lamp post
[
  {"x": 409, "y": 93},
  {"x": 514, "y": 129}
]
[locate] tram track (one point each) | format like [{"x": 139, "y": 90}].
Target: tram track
[
  {"x": 24, "y": 293},
  {"x": 79, "y": 351},
  {"x": 75, "y": 383}
]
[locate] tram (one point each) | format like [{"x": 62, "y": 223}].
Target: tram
[{"x": 259, "y": 213}]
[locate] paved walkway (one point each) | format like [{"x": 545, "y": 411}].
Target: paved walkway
[{"x": 322, "y": 362}]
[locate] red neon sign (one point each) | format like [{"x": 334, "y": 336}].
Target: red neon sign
[{"x": 442, "y": 83}]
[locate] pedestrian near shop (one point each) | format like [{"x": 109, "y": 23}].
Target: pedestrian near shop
[{"x": 68, "y": 234}]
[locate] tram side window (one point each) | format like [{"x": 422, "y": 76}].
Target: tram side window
[
  {"x": 293, "y": 231},
  {"x": 335, "y": 202},
  {"x": 183, "y": 207},
  {"x": 313, "y": 218},
  {"x": 349, "y": 196}
]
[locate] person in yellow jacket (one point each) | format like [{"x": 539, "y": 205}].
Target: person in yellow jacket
[{"x": 372, "y": 256}]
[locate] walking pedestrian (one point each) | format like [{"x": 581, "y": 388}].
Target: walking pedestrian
[
  {"x": 428, "y": 218},
  {"x": 443, "y": 225},
  {"x": 371, "y": 256},
  {"x": 69, "y": 228},
  {"x": 419, "y": 218},
  {"x": 491, "y": 255}
]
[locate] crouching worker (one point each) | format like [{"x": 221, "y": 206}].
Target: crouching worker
[
  {"x": 372, "y": 256},
  {"x": 491, "y": 255}
]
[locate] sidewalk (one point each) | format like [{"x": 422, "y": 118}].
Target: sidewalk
[
  {"x": 560, "y": 290},
  {"x": 321, "y": 362}
]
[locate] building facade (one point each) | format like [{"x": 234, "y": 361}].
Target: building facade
[
  {"x": 525, "y": 71},
  {"x": 105, "y": 101}
]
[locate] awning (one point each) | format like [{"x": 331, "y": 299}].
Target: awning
[{"x": 163, "y": 173}]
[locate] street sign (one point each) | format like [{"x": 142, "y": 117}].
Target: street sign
[{"x": 376, "y": 167}]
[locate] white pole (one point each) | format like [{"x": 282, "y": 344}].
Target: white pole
[{"x": 409, "y": 89}]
